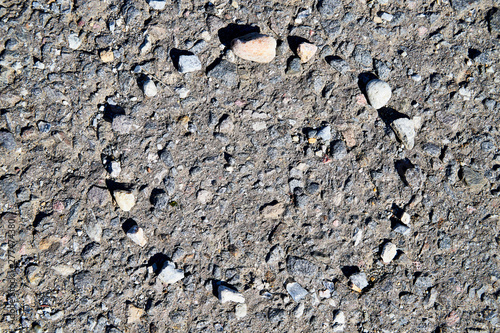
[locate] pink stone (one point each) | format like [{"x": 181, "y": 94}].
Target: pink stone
[{"x": 255, "y": 47}]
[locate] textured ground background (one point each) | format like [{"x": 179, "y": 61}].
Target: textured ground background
[{"x": 66, "y": 262}]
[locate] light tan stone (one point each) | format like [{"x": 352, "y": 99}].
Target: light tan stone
[
  {"x": 124, "y": 199},
  {"x": 255, "y": 47},
  {"x": 306, "y": 51},
  {"x": 273, "y": 211},
  {"x": 107, "y": 56}
]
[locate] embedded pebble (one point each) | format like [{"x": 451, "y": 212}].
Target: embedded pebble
[
  {"x": 473, "y": 178},
  {"x": 340, "y": 65},
  {"x": 124, "y": 199},
  {"x": 157, "y": 4},
  {"x": 136, "y": 234},
  {"x": 294, "y": 67},
  {"x": 189, "y": 63},
  {"x": 405, "y": 131},
  {"x": 359, "y": 281},
  {"x": 273, "y": 211},
  {"x": 240, "y": 311},
  {"x": 169, "y": 274},
  {"x": 149, "y": 88},
  {"x": 389, "y": 252},
  {"x": 339, "y": 322},
  {"x": 296, "y": 291},
  {"x": 306, "y": 51},
  {"x": 204, "y": 196},
  {"x": 402, "y": 229},
  {"x": 227, "y": 294},
  {"x": 107, "y": 55},
  {"x": 255, "y": 47},
  {"x": 7, "y": 140},
  {"x": 123, "y": 124},
  {"x": 378, "y": 93},
  {"x": 74, "y": 41}
]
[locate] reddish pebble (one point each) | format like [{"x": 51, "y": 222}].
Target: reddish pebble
[{"x": 58, "y": 206}]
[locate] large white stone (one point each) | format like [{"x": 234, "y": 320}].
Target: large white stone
[
  {"x": 389, "y": 252},
  {"x": 378, "y": 92},
  {"x": 227, "y": 294},
  {"x": 74, "y": 41},
  {"x": 157, "y": 4},
  {"x": 124, "y": 199},
  {"x": 149, "y": 88},
  {"x": 169, "y": 274}
]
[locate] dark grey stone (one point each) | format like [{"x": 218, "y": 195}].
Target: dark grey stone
[
  {"x": 83, "y": 281},
  {"x": 473, "y": 178},
  {"x": 7, "y": 140},
  {"x": 9, "y": 186},
  {"x": 362, "y": 56},
  {"x": 312, "y": 188},
  {"x": 460, "y": 5},
  {"x": 301, "y": 201},
  {"x": 91, "y": 250},
  {"x": 338, "y": 150},
  {"x": 328, "y": 8},
  {"x": 294, "y": 67},
  {"x": 332, "y": 28},
  {"x": 166, "y": 158},
  {"x": 160, "y": 200},
  {"x": 226, "y": 72},
  {"x": 169, "y": 183},
  {"x": 494, "y": 20},
  {"x": 301, "y": 267},
  {"x": 276, "y": 315},
  {"x": 340, "y": 65},
  {"x": 383, "y": 71},
  {"x": 431, "y": 149}
]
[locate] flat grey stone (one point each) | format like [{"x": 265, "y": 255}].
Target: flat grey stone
[
  {"x": 473, "y": 178},
  {"x": 405, "y": 131},
  {"x": 296, "y": 291},
  {"x": 189, "y": 63},
  {"x": 7, "y": 140},
  {"x": 301, "y": 267}
]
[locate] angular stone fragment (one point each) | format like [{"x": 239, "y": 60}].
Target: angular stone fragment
[
  {"x": 296, "y": 291},
  {"x": 227, "y": 294},
  {"x": 149, "y": 88},
  {"x": 98, "y": 196},
  {"x": 306, "y": 51},
  {"x": 301, "y": 267},
  {"x": 405, "y": 130},
  {"x": 157, "y": 4},
  {"x": 189, "y": 63},
  {"x": 378, "y": 93},
  {"x": 169, "y": 274},
  {"x": 273, "y": 211},
  {"x": 124, "y": 199},
  {"x": 255, "y": 47},
  {"x": 136, "y": 234},
  {"x": 359, "y": 281},
  {"x": 123, "y": 124},
  {"x": 240, "y": 310},
  {"x": 339, "y": 322}
]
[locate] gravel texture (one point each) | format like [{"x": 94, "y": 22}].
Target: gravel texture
[{"x": 153, "y": 180}]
